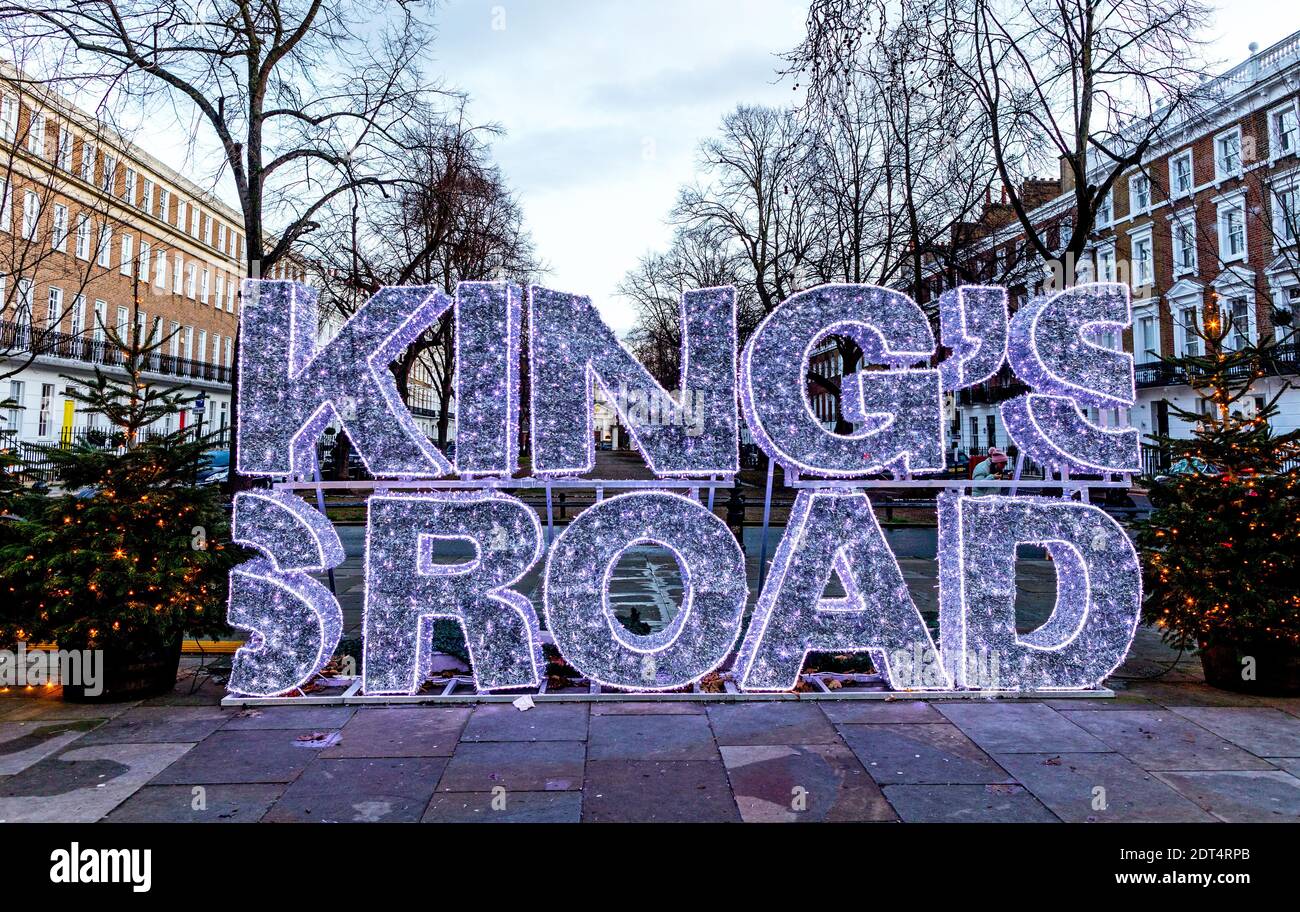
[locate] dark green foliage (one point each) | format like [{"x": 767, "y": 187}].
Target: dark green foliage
[{"x": 1220, "y": 550}]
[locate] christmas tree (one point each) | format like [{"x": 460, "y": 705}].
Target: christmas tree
[
  {"x": 1221, "y": 546},
  {"x": 132, "y": 554}
]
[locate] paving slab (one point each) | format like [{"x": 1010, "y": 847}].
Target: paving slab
[
  {"x": 24, "y": 743},
  {"x": 81, "y": 785},
  {"x": 1186, "y": 693},
  {"x": 1165, "y": 740},
  {"x": 1007, "y": 727},
  {"x": 1290, "y": 764},
  {"x": 1242, "y": 796},
  {"x": 803, "y": 783},
  {"x": 231, "y": 803},
  {"x": 966, "y": 804},
  {"x": 879, "y": 712},
  {"x": 1120, "y": 701},
  {"x": 1263, "y": 731},
  {"x": 651, "y": 738},
  {"x": 160, "y": 725},
  {"x": 544, "y": 722},
  {"x": 52, "y": 709},
  {"x": 1068, "y": 784},
  {"x": 243, "y": 756},
  {"x": 690, "y": 791},
  {"x": 417, "y": 731},
  {"x": 266, "y": 718},
  {"x": 511, "y": 807},
  {"x": 360, "y": 790},
  {"x": 647, "y": 708},
  {"x": 524, "y": 766},
  {"x": 921, "y": 753},
  {"x": 778, "y": 722}
]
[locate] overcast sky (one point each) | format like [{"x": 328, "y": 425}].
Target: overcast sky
[{"x": 605, "y": 101}]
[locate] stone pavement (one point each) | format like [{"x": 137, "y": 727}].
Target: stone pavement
[{"x": 1170, "y": 749}]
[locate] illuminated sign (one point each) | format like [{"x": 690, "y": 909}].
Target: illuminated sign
[{"x": 292, "y": 387}]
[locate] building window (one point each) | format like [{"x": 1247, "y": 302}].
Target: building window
[
  {"x": 88, "y": 153},
  {"x": 164, "y": 202},
  {"x": 1236, "y": 313},
  {"x": 1184, "y": 247},
  {"x": 1227, "y": 154},
  {"x": 128, "y": 187},
  {"x": 180, "y": 213},
  {"x": 1190, "y": 321},
  {"x": 101, "y": 321},
  {"x": 1106, "y": 264},
  {"x": 63, "y": 156},
  {"x": 1283, "y": 130},
  {"x": 8, "y": 118},
  {"x": 1232, "y": 231},
  {"x": 1286, "y": 215},
  {"x": 110, "y": 173},
  {"x": 221, "y": 236},
  {"x": 59, "y": 232},
  {"x": 31, "y": 215},
  {"x": 191, "y": 281},
  {"x": 1288, "y": 302},
  {"x": 83, "y": 236},
  {"x": 160, "y": 269},
  {"x": 77, "y": 324},
  {"x": 1147, "y": 335},
  {"x": 145, "y": 261},
  {"x": 1143, "y": 271},
  {"x": 54, "y": 309},
  {"x": 1106, "y": 211},
  {"x": 6, "y": 206},
  {"x": 43, "y": 424},
  {"x": 146, "y": 196},
  {"x": 14, "y": 411},
  {"x": 1139, "y": 193},
  {"x": 177, "y": 275},
  {"x": 201, "y": 353},
  {"x": 36, "y": 135},
  {"x": 104, "y": 256},
  {"x": 128, "y": 254},
  {"x": 203, "y": 285}
]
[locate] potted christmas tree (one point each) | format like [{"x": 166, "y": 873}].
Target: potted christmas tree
[
  {"x": 132, "y": 555},
  {"x": 1221, "y": 549}
]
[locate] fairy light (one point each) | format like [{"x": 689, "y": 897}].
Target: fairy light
[
  {"x": 295, "y": 622},
  {"x": 570, "y": 349},
  {"x": 902, "y": 407},
  {"x": 291, "y": 389},
  {"x": 406, "y": 590},
  {"x": 973, "y": 323},
  {"x": 576, "y": 592},
  {"x": 1055, "y": 431},
  {"x": 1098, "y": 597},
  {"x": 488, "y": 316},
  {"x": 836, "y": 532}
]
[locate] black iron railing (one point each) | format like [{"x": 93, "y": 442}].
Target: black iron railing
[{"x": 19, "y": 338}]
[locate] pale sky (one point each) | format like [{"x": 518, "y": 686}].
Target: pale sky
[{"x": 604, "y": 104}]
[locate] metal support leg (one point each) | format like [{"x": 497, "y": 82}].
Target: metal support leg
[
  {"x": 550, "y": 518},
  {"x": 320, "y": 506},
  {"x": 767, "y": 517}
]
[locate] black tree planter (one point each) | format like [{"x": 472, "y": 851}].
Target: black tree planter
[
  {"x": 1264, "y": 669},
  {"x": 135, "y": 670}
]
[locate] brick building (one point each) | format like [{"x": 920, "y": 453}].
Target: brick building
[
  {"x": 95, "y": 232},
  {"x": 1208, "y": 222}
]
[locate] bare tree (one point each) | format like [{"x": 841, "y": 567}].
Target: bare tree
[
  {"x": 449, "y": 218},
  {"x": 755, "y": 195},
  {"x": 302, "y": 97}
]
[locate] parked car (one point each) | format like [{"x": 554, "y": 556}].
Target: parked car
[{"x": 216, "y": 467}]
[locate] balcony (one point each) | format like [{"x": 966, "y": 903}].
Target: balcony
[
  {"x": 17, "y": 341},
  {"x": 1284, "y": 359}
]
